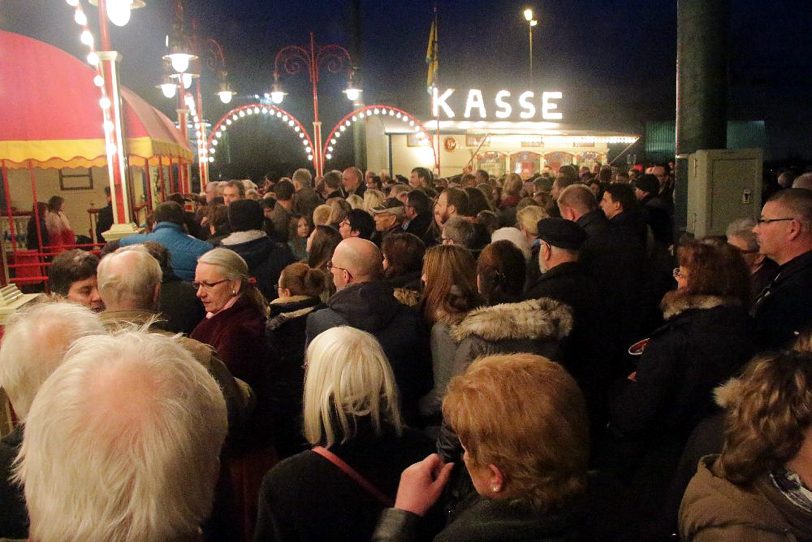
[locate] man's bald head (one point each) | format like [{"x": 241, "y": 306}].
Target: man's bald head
[
  {"x": 129, "y": 278},
  {"x": 360, "y": 258}
]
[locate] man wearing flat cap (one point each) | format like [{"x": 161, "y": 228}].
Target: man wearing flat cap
[
  {"x": 565, "y": 279},
  {"x": 388, "y": 218}
]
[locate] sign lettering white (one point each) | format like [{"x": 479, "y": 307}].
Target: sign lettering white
[{"x": 476, "y": 106}]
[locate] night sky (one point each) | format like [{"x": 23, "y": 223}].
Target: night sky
[{"x": 614, "y": 61}]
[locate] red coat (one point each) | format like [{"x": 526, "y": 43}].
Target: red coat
[{"x": 238, "y": 335}]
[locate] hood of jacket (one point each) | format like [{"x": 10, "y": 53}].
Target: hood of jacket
[
  {"x": 539, "y": 319},
  {"x": 290, "y": 308},
  {"x": 676, "y": 302},
  {"x": 254, "y": 251},
  {"x": 368, "y": 306}
]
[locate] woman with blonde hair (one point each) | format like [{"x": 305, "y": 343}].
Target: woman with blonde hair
[
  {"x": 523, "y": 424},
  {"x": 336, "y": 490},
  {"x": 373, "y": 198},
  {"x": 759, "y": 487}
]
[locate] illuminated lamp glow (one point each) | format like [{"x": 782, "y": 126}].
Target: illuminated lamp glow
[
  {"x": 411, "y": 123},
  {"x": 98, "y": 81},
  {"x": 105, "y": 102},
  {"x": 343, "y": 128},
  {"x": 328, "y": 156},
  {"x": 338, "y": 134},
  {"x": 391, "y": 112},
  {"x": 333, "y": 141},
  {"x": 86, "y": 37},
  {"x": 225, "y": 96},
  {"x": 249, "y": 111},
  {"x": 398, "y": 115},
  {"x": 241, "y": 114},
  {"x": 211, "y": 158},
  {"x": 330, "y": 148},
  {"x": 111, "y": 148},
  {"x": 93, "y": 59},
  {"x": 72, "y": 3},
  {"x": 264, "y": 110},
  {"x": 80, "y": 17},
  {"x": 285, "y": 118},
  {"x": 301, "y": 135},
  {"x": 310, "y": 157},
  {"x": 361, "y": 114},
  {"x": 256, "y": 110},
  {"x": 108, "y": 126},
  {"x": 215, "y": 142},
  {"x": 291, "y": 123},
  {"x": 119, "y": 11},
  {"x": 347, "y": 123},
  {"x": 376, "y": 111},
  {"x": 308, "y": 150},
  {"x": 354, "y": 118},
  {"x": 297, "y": 129},
  {"x": 352, "y": 94},
  {"x": 168, "y": 89},
  {"x": 228, "y": 122}
]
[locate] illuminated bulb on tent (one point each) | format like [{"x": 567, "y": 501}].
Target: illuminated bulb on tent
[
  {"x": 72, "y": 3},
  {"x": 93, "y": 59},
  {"x": 80, "y": 17},
  {"x": 104, "y": 102},
  {"x": 98, "y": 81},
  {"x": 86, "y": 37}
]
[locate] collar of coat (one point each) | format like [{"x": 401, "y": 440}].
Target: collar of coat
[
  {"x": 676, "y": 302},
  {"x": 240, "y": 237},
  {"x": 541, "y": 319}
]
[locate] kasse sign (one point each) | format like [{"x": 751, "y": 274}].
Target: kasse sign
[{"x": 502, "y": 104}]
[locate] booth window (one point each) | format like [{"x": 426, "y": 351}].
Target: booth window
[{"x": 76, "y": 179}]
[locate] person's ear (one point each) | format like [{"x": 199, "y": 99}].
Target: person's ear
[{"x": 496, "y": 480}]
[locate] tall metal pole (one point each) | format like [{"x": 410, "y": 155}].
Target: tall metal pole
[
  {"x": 184, "y": 131},
  {"x": 530, "y": 36},
  {"x": 314, "y": 80},
  {"x": 116, "y": 153}
]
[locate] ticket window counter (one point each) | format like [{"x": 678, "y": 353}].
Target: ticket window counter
[
  {"x": 526, "y": 164},
  {"x": 493, "y": 162}
]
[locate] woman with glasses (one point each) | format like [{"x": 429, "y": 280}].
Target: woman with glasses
[
  {"x": 235, "y": 327},
  {"x": 705, "y": 340}
]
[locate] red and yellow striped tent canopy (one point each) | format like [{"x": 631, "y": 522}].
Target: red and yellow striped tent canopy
[{"x": 50, "y": 114}]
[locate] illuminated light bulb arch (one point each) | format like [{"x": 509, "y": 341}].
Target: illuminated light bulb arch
[
  {"x": 200, "y": 129},
  {"x": 377, "y": 110},
  {"x": 255, "y": 109}
]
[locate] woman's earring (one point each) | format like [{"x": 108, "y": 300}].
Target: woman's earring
[{"x": 233, "y": 292}]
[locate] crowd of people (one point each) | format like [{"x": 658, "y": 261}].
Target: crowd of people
[{"x": 359, "y": 357}]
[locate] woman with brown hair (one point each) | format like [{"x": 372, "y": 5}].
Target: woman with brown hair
[
  {"x": 299, "y": 288},
  {"x": 449, "y": 293},
  {"x": 523, "y": 423},
  {"x": 759, "y": 487},
  {"x": 705, "y": 340},
  {"x": 402, "y": 265},
  {"x": 60, "y": 233},
  {"x": 320, "y": 247}
]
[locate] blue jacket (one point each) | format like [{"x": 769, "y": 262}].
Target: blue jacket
[{"x": 183, "y": 249}]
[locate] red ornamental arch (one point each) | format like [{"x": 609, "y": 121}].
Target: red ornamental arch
[
  {"x": 256, "y": 109},
  {"x": 378, "y": 110}
]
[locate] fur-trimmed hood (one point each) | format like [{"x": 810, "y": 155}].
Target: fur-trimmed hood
[
  {"x": 676, "y": 302},
  {"x": 407, "y": 296},
  {"x": 539, "y": 319},
  {"x": 727, "y": 394}
]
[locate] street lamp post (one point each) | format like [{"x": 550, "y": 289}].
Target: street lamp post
[
  {"x": 531, "y": 23},
  {"x": 118, "y": 11},
  {"x": 292, "y": 59}
]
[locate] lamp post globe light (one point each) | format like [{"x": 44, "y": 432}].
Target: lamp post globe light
[
  {"x": 293, "y": 59},
  {"x": 531, "y": 23}
]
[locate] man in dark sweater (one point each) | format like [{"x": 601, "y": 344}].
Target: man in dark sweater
[{"x": 366, "y": 302}]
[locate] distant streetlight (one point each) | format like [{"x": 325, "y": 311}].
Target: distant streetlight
[{"x": 531, "y": 22}]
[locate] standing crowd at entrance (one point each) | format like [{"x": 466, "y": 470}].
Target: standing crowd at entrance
[{"x": 359, "y": 357}]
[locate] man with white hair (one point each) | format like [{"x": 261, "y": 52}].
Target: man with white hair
[
  {"x": 130, "y": 281},
  {"x": 366, "y": 302},
  {"x": 123, "y": 443},
  {"x": 34, "y": 345},
  {"x": 762, "y": 269}
]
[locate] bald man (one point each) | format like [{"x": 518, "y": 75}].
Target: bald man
[{"x": 365, "y": 301}]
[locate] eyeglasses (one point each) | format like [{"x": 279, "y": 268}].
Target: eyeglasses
[
  {"x": 330, "y": 267},
  {"x": 769, "y": 220},
  {"x": 207, "y": 285}
]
